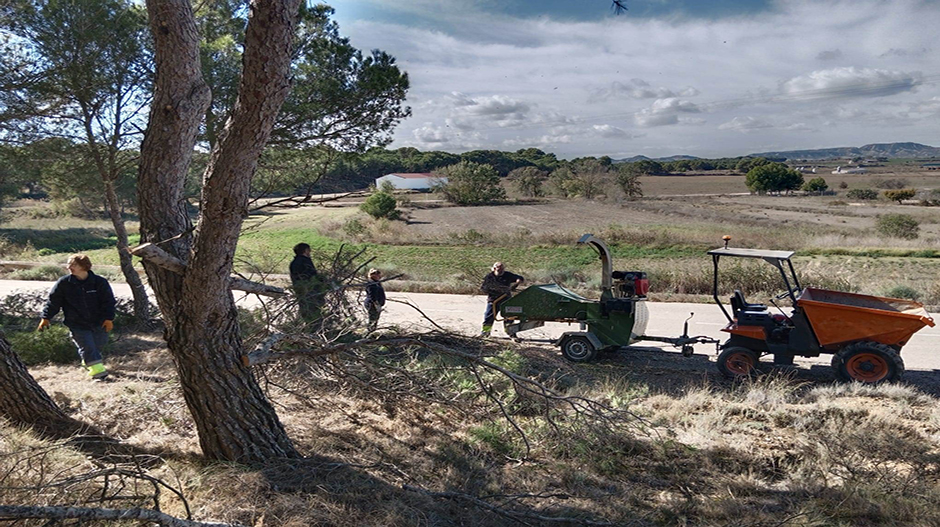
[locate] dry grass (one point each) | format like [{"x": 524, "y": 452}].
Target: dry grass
[{"x": 774, "y": 451}]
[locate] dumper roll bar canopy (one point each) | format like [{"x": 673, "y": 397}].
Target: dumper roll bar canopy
[{"x": 774, "y": 258}]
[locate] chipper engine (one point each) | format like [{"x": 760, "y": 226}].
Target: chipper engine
[{"x": 618, "y": 318}]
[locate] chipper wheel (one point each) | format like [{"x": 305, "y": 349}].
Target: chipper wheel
[
  {"x": 737, "y": 362},
  {"x": 578, "y": 349},
  {"x": 868, "y": 362}
]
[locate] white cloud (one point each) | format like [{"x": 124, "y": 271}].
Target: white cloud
[
  {"x": 850, "y": 82},
  {"x": 637, "y": 89},
  {"x": 745, "y": 124},
  {"x": 431, "y": 135},
  {"x": 606, "y": 130},
  {"x": 498, "y": 106},
  {"x": 496, "y": 78},
  {"x": 799, "y": 127},
  {"x": 664, "y": 112}
]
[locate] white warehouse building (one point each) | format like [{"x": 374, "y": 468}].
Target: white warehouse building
[{"x": 410, "y": 181}]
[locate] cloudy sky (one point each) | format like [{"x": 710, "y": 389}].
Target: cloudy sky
[{"x": 702, "y": 77}]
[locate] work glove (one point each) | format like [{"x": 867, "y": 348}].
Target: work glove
[
  {"x": 108, "y": 325},
  {"x": 43, "y": 324}
]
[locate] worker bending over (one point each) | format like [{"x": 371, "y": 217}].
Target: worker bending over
[{"x": 498, "y": 286}]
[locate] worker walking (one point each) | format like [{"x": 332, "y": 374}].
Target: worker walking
[
  {"x": 305, "y": 281},
  {"x": 498, "y": 285},
  {"x": 375, "y": 297},
  {"x": 88, "y": 304}
]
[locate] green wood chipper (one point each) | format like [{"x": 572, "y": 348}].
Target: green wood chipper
[{"x": 617, "y": 319}]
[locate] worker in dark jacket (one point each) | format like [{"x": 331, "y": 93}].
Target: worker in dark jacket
[
  {"x": 304, "y": 279},
  {"x": 88, "y": 304},
  {"x": 497, "y": 285},
  {"x": 375, "y": 297}
]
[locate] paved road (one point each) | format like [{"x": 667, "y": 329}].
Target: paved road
[{"x": 464, "y": 314}]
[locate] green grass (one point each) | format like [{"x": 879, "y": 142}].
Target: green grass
[{"x": 440, "y": 261}]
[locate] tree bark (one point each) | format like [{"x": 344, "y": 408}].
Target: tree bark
[
  {"x": 23, "y": 401},
  {"x": 141, "y": 302},
  {"x": 234, "y": 419}
]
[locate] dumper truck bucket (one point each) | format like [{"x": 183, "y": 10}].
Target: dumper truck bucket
[{"x": 839, "y": 318}]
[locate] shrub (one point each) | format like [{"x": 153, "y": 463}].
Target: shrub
[
  {"x": 897, "y": 183},
  {"x": 862, "y": 193},
  {"x": 37, "y": 347},
  {"x": 470, "y": 183},
  {"x": 843, "y": 185},
  {"x": 381, "y": 204},
  {"x": 816, "y": 185},
  {"x": 528, "y": 181},
  {"x": 629, "y": 182},
  {"x": 354, "y": 227},
  {"x": 903, "y": 291},
  {"x": 42, "y": 273},
  {"x": 898, "y": 226},
  {"x": 471, "y": 237},
  {"x": 900, "y": 195}
]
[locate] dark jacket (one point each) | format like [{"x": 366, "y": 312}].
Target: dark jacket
[
  {"x": 375, "y": 294},
  {"x": 302, "y": 269},
  {"x": 86, "y": 303},
  {"x": 497, "y": 286}
]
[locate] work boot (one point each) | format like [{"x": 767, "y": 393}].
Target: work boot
[{"x": 97, "y": 371}]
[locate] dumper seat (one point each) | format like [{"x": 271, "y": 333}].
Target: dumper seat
[{"x": 740, "y": 305}]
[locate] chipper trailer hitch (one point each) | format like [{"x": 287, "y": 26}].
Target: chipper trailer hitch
[{"x": 617, "y": 319}]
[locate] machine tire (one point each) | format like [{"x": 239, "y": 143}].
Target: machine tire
[
  {"x": 870, "y": 363},
  {"x": 837, "y": 368},
  {"x": 737, "y": 362},
  {"x": 578, "y": 349}
]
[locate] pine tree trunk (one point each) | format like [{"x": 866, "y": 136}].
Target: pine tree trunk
[
  {"x": 23, "y": 401},
  {"x": 141, "y": 302},
  {"x": 234, "y": 419}
]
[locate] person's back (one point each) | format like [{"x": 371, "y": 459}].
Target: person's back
[
  {"x": 375, "y": 297},
  {"x": 302, "y": 269},
  {"x": 305, "y": 281}
]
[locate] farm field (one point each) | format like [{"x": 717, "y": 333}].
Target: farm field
[{"x": 442, "y": 248}]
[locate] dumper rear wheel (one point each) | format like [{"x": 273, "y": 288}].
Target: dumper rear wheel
[
  {"x": 578, "y": 349},
  {"x": 869, "y": 362},
  {"x": 737, "y": 362}
]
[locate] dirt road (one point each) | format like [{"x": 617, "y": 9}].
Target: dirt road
[{"x": 464, "y": 314}]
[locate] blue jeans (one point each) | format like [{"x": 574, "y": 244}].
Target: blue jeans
[{"x": 90, "y": 343}]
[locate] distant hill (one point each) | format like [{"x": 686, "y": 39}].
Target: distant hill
[
  {"x": 634, "y": 159},
  {"x": 889, "y": 150}
]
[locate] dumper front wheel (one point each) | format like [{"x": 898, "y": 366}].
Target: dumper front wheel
[
  {"x": 869, "y": 362},
  {"x": 578, "y": 349},
  {"x": 737, "y": 362}
]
